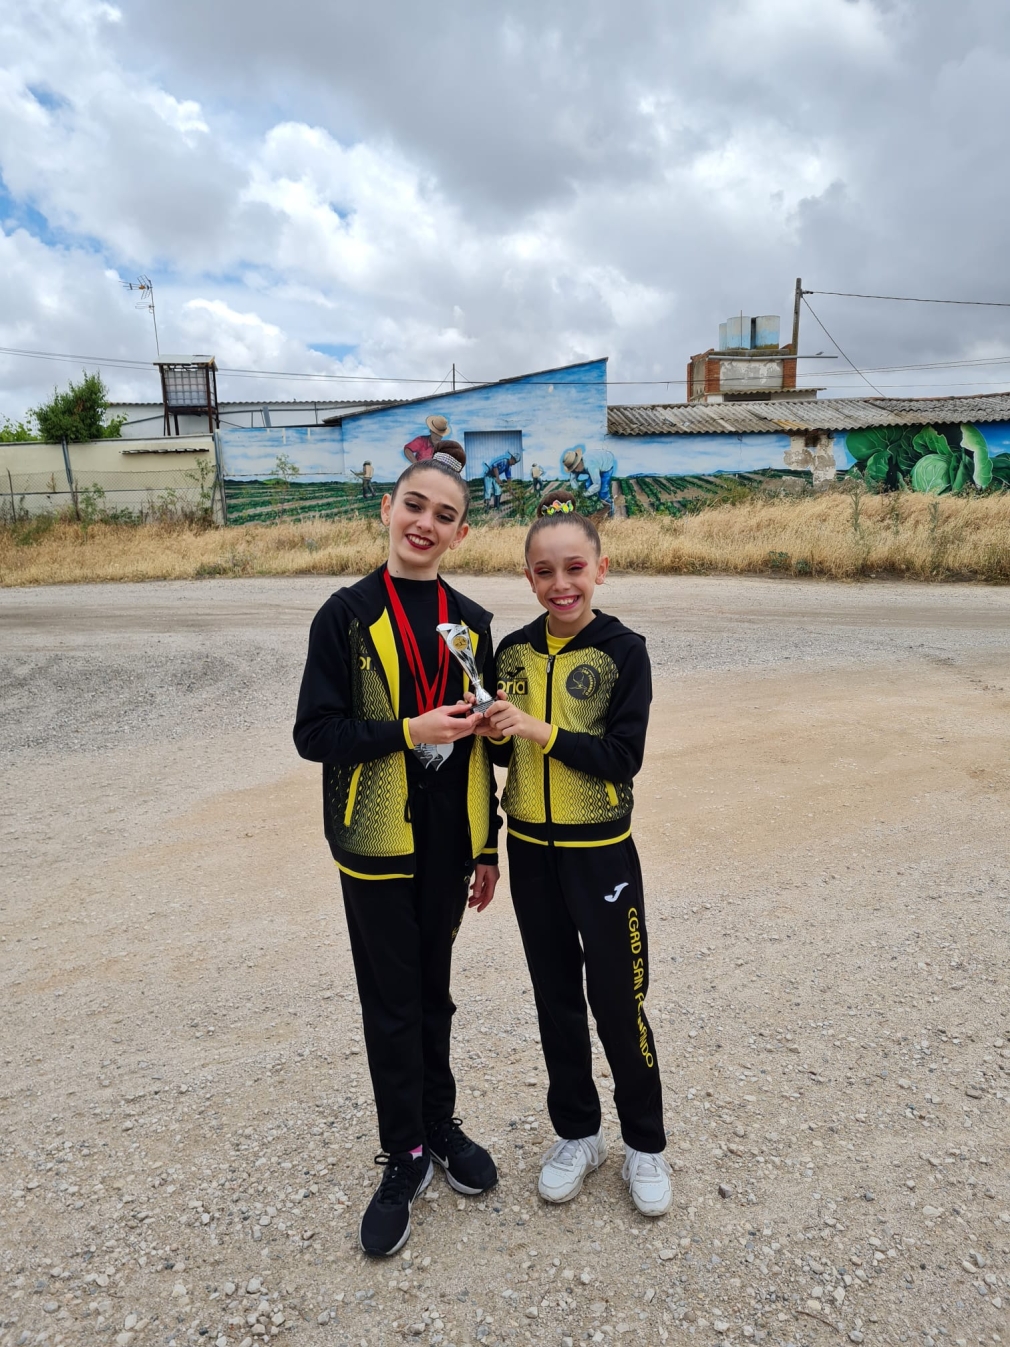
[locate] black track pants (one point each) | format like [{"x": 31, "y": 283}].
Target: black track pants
[
  {"x": 585, "y": 904},
  {"x": 401, "y": 932}
]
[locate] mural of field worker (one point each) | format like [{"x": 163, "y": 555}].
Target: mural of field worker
[
  {"x": 537, "y": 479},
  {"x": 495, "y": 472},
  {"x": 366, "y": 474},
  {"x": 595, "y": 468},
  {"x": 424, "y": 446}
]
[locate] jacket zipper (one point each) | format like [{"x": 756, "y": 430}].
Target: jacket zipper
[{"x": 548, "y": 698}]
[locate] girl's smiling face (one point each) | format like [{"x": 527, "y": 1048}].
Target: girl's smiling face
[
  {"x": 564, "y": 568},
  {"x": 425, "y": 518}
]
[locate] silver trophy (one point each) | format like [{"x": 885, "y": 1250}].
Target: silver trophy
[{"x": 457, "y": 638}]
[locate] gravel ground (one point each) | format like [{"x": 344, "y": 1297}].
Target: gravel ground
[{"x": 188, "y": 1131}]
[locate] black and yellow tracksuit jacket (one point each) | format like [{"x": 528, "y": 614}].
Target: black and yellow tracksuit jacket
[
  {"x": 350, "y": 719},
  {"x": 595, "y": 694}
]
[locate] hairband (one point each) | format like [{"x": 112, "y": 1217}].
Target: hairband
[
  {"x": 559, "y": 507},
  {"x": 447, "y": 461}
]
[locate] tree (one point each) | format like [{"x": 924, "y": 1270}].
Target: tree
[
  {"x": 12, "y": 432},
  {"x": 78, "y": 413}
]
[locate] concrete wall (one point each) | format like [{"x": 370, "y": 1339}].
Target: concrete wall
[{"x": 132, "y": 474}]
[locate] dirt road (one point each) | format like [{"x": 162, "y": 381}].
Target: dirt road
[{"x": 187, "y": 1127}]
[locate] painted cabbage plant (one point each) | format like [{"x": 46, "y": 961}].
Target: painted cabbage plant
[{"x": 924, "y": 458}]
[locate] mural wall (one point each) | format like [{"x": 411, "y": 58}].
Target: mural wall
[
  {"x": 647, "y": 455},
  {"x": 935, "y": 458},
  {"x": 522, "y": 435},
  {"x": 540, "y": 428},
  {"x": 553, "y": 412}
]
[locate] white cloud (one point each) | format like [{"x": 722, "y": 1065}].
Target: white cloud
[{"x": 508, "y": 188}]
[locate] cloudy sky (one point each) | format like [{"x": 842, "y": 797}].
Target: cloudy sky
[{"x": 384, "y": 189}]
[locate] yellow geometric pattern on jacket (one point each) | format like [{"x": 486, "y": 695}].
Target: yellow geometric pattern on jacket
[
  {"x": 368, "y": 802},
  {"x": 581, "y": 682}
]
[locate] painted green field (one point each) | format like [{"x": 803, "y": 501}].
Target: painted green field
[{"x": 273, "y": 501}]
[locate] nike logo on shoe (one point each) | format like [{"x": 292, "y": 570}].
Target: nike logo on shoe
[{"x": 613, "y": 897}]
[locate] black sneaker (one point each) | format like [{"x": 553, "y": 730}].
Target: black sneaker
[
  {"x": 385, "y": 1226},
  {"x": 468, "y": 1167}
]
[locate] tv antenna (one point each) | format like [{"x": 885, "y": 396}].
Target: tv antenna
[{"x": 145, "y": 287}]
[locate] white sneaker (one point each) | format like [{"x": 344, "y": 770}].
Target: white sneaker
[
  {"x": 648, "y": 1180},
  {"x": 567, "y": 1163}
]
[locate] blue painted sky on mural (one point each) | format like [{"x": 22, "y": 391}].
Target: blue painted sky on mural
[{"x": 391, "y": 189}]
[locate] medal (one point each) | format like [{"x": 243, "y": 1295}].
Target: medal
[{"x": 429, "y": 695}]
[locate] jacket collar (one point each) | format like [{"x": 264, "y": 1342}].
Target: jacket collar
[
  {"x": 601, "y": 626},
  {"x": 367, "y": 599}
]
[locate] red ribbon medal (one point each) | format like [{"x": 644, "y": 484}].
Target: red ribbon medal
[{"x": 429, "y": 695}]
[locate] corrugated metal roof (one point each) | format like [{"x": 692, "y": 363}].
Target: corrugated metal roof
[{"x": 739, "y": 418}]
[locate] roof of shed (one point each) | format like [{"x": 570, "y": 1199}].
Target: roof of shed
[{"x": 736, "y": 418}]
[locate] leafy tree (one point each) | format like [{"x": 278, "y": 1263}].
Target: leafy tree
[
  {"x": 13, "y": 431},
  {"x": 78, "y": 413}
]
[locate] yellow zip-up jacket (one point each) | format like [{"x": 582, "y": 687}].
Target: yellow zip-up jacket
[{"x": 595, "y": 694}]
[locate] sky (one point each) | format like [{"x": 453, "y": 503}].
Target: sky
[{"x": 377, "y": 192}]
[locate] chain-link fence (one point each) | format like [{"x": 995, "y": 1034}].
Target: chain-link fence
[{"x": 125, "y": 496}]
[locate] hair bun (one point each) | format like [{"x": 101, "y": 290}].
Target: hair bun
[
  {"x": 556, "y": 502},
  {"x": 451, "y": 454}
]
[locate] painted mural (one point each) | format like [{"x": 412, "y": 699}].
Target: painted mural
[
  {"x": 660, "y": 455},
  {"x": 514, "y": 435},
  {"x": 936, "y": 459},
  {"x": 549, "y": 412},
  {"x": 519, "y": 437}
]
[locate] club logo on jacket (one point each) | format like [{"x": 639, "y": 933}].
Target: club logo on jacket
[{"x": 582, "y": 683}]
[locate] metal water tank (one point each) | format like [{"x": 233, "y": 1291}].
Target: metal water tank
[
  {"x": 765, "y": 330},
  {"x": 738, "y": 333}
]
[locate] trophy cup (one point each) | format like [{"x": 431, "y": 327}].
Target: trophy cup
[{"x": 457, "y": 638}]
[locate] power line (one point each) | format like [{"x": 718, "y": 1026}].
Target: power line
[
  {"x": 123, "y": 362},
  {"x": 839, "y": 349},
  {"x": 910, "y": 299},
  {"x": 981, "y": 362},
  {"x": 115, "y": 361}
]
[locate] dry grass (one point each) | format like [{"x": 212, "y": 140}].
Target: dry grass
[{"x": 836, "y": 535}]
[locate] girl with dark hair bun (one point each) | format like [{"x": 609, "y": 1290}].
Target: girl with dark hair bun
[{"x": 410, "y": 813}]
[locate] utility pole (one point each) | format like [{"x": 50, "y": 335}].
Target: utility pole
[{"x": 797, "y": 301}]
